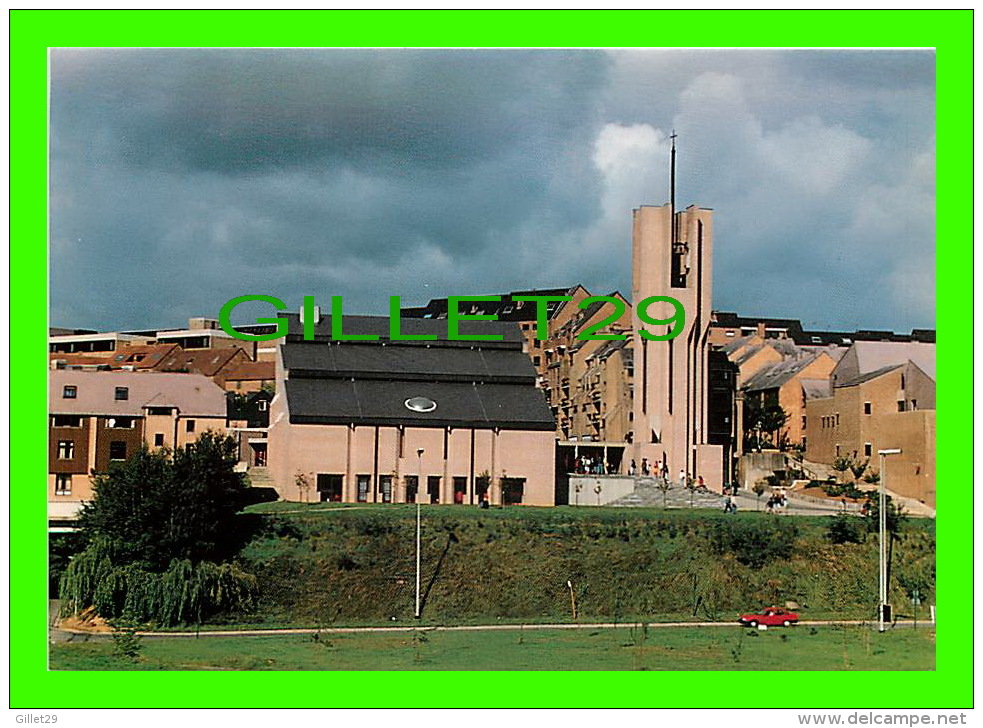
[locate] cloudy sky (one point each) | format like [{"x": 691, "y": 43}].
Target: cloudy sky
[{"x": 183, "y": 178}]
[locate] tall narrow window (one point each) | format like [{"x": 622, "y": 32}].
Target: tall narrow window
[
  {"x": 190, "y": 426},
  {"x": 866, "y": 408},
  {"x": 63, "y": 484},
  {"x": 66, "y": 449}
]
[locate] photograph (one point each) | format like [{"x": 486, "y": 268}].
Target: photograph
[{"x": 557, "y": 358}]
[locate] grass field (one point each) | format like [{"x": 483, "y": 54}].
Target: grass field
[
  {"x": 325, "y": 564},
  {"x": 624, "y": 648}
]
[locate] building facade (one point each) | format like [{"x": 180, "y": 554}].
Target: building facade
[
  {"x": 435, "y": 421},
  {"x": 97, "y": 418}
]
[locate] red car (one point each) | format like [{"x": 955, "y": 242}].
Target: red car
[{"x": 773, "y": 617}]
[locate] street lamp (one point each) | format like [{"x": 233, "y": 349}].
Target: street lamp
[
  {"x": 419, "y": 480},
  {"x": 883, "y": 609}
]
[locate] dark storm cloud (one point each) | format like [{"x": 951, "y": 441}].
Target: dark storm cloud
[{"x": 183, "y": 178}]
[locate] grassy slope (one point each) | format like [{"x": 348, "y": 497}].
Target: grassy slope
[
  {"x": 711, "y": 648},
  {"x": 323, "y": 565}
]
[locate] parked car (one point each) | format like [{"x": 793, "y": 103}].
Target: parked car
[{"x": 773, "y": 617}]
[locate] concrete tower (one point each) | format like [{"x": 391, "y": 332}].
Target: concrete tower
[{"x": 672, "y": 255}]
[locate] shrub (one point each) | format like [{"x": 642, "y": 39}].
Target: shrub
[
  {"x": 846, "y": 529},
  {"x": 752, "y": 543}
]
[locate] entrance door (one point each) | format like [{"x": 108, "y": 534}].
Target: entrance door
[
  {"x": 412, "y": 484},
  {"x": 386, "y": 488},
  {"x": 433, "y": 488},
  {"x": 363, "y": 488},
  {"x": 329, "y": 487},
  {"x": 512, "y": 489},
  {"x": 460, "y": 490}
]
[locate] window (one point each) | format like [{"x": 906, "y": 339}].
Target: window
[
  {"x": 535, "y": 361},
  {"x": 837, "y": 451},
  {"x": 120, "y": 423},
  {"x": 66, "y": 421},
  {"x": 868, "y": 449},
  {"x": 70, "y": 391},
  {"x": 159, "y": 439},
  {"x": 165, "y": 411},
  {"x": 189, "y": 426},
  {"x": 866, "y": 408},
  {"x": 122, "y": 393},
  {"x": 63, "y": 484},
  {"x": 900, "y": 405},
  {"x": 263, "y": 405},
  {"x": 117, "y": 450},
  {"x": 803, "y": 422},
  {"x": 66, "y": 449}
]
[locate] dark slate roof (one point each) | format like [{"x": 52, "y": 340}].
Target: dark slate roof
[
  {"x": 861, "y": 378},
  {"x": 729, "y": 319},
  {"x": 506, "y": 309},
  {"x": 775, "y": 375},
  {"x": 379, "y": 326},
  {"x": 382, "y": 402},
  {"x": 437, "y": 362}
]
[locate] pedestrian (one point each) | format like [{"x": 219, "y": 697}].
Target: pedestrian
[
  {"x": 699, "y": 483},
  {"x": 727, "y": 504},
  {"x": 645, "y": 466},
  {"x": 682, "y": 478},
  {"x": 632, "y": 469}
]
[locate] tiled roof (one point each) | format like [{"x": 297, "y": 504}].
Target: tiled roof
[
  {"x": 199, "y": 361},
  {"x": 816, "y": 388},
  {"x": 251, "y": 371}
]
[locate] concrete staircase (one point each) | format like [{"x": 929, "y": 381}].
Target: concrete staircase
[
  {"x": 647, "y": 495},
  {"x": 259, "y": 478}
]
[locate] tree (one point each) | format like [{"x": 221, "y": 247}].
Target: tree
[
  {"x": 158, "y": 506},
  {"x": 664, "y": 485},
  {"x": 773, "y": 419},
  {"x": 158, "y": 526},
  {"x": 759, "y": 418}
]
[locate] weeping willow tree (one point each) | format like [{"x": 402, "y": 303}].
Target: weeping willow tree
[
  {"x": 161, "y": 532},
  {"x": 182, "y": 594}
]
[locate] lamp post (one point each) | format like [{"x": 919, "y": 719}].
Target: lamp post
[
  {"x": 419, "y": 479},
  {"x": 883, "y": 608}
]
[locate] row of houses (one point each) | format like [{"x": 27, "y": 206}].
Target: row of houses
[{"x": 467, "y": 421}]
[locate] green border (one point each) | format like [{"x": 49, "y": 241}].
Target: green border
[{"x": 32, "y": 31}]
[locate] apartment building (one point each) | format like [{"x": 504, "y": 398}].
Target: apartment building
[
  {"x": 97, "y": 418},
  {"x": 890, "y": 407}
]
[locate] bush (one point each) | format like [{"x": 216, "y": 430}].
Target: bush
[
  {"x": 846, "y": 529},
  {"x": 752, "y": 543}
]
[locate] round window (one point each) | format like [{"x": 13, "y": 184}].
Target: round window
[{"x": 420, "y": 404}]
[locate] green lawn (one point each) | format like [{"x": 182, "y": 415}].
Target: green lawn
[{"x": 623, "y": 648}]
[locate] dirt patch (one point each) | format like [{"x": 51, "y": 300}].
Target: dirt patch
[{"x": 87, "y": 621}]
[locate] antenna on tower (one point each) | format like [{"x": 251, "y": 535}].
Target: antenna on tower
[{"x": 672, "y": 174}]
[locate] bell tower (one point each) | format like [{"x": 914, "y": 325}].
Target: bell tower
[{"x": 672, "y": 255}]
